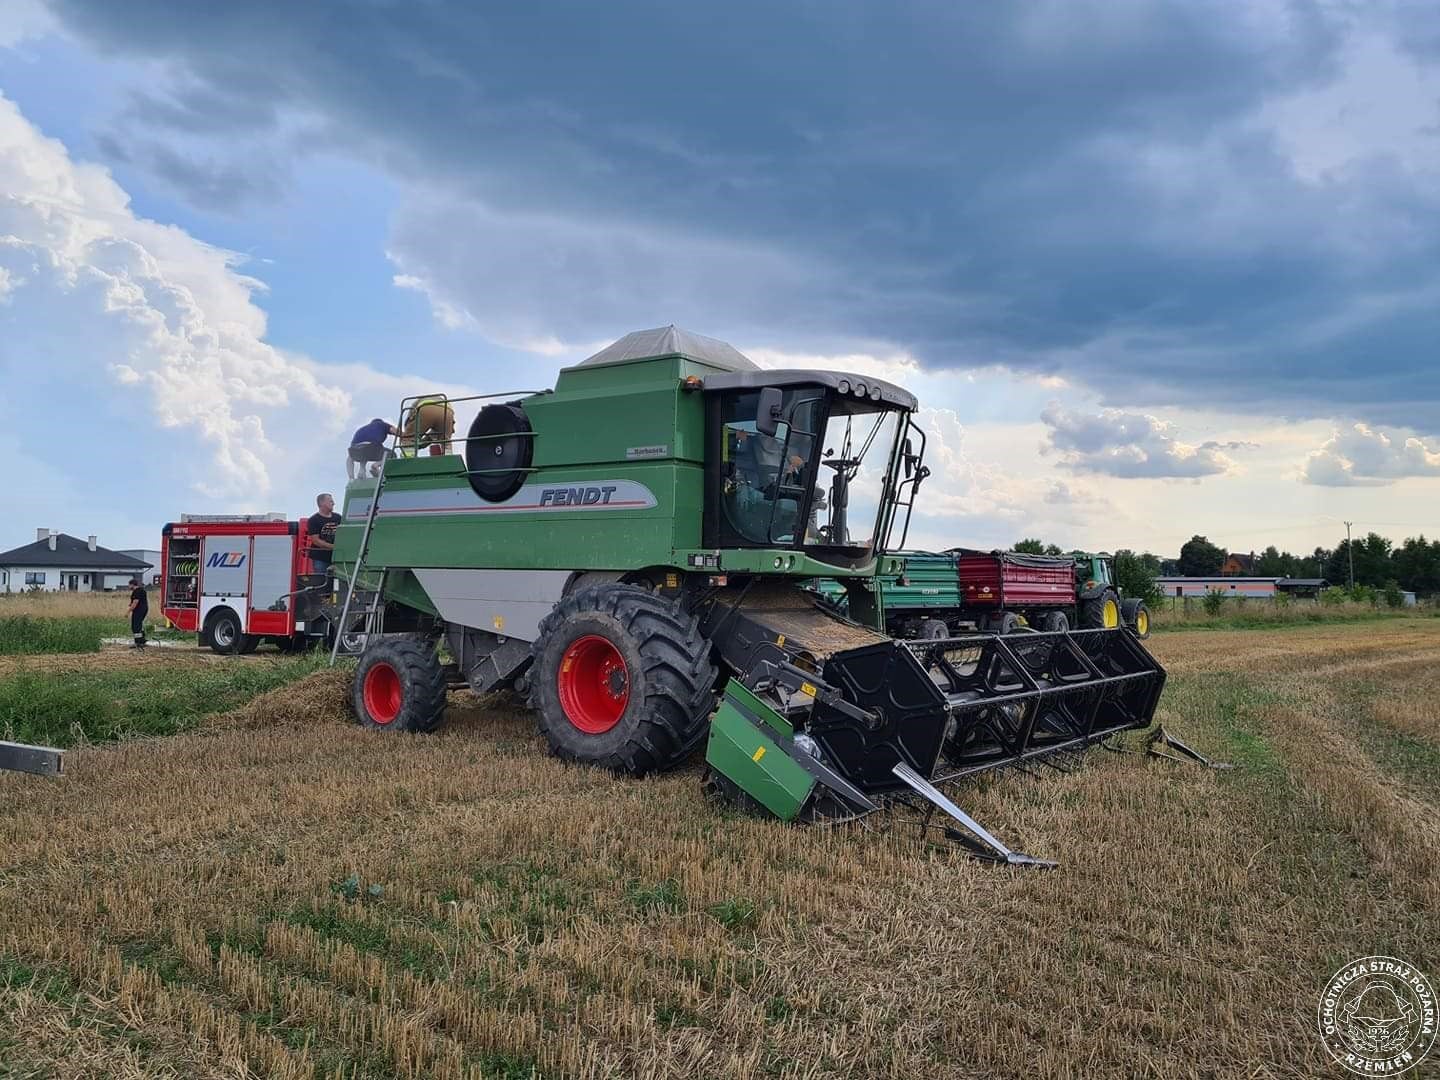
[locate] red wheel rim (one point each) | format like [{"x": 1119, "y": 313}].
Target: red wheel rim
[
  {"x": 594, "y": 684},
  {"x": 381, "y": 691}
]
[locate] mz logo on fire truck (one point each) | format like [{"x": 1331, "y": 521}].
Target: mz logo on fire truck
[{"x": 230, "y": 559}]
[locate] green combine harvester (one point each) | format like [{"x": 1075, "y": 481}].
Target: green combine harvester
[{"x": 628, "y": 549}]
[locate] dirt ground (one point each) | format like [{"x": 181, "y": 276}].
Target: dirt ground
[{"x": 282, "y": 894}]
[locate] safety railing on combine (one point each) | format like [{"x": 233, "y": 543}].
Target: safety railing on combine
[{"x": 416, "y": 434}]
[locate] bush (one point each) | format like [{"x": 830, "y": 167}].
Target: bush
[
  {"x": 1364, "y": 594},
  {"x": 1214, "y": 603},
  {"x": 1393, "y": 594},
  {"x": 1334, "y": 596}
]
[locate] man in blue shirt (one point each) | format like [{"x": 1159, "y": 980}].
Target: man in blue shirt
[{"x": 368, "y": 445}]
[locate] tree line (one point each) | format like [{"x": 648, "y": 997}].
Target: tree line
[
  {"x": 1380, "y": 565},
  {"x": 1413, "y": 565}
]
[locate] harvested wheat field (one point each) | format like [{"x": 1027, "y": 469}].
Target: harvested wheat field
[{"x": 281, "y": 894}]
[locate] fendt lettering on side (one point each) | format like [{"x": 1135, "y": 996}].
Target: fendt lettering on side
[
  {"x": 577, "y": 496},
  {"x": 680, "y": 609}
]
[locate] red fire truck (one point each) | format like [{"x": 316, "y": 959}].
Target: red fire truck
[{"x": 241, "y": 579}]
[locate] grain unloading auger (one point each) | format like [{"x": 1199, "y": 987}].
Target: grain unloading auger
[{"x": 626, "y": 550}]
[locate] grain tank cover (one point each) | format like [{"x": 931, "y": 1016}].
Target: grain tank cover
[{"x": 672, "y": 341}]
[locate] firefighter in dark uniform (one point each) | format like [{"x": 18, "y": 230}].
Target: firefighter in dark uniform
[{"x": 139, "y": 609}]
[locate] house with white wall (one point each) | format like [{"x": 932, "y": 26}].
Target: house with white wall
[{"x": 58, "y": 562}]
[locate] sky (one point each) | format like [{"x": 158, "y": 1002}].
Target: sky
[{"x": 1152, "y": 268}]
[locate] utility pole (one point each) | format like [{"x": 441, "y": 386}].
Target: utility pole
[{"x": 1350, "y": 551}]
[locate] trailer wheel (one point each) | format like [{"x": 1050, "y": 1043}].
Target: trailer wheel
[
  {"x": 223, "y": 632},
  {"x": 399, "y": 686},
  {"x": 1002, "y": 622},
  {"x": 1136, "y": 616},
  {"x": 933, "y": 630},
  {"x": 1101, "y": 613},
  {"x": 622, "y": 678},
  {"x": 1056, "y": 621}
]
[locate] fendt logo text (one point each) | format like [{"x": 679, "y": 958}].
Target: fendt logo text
[
  {"x": 229, "y": 559},
  {"x": 577, "y": 496}
]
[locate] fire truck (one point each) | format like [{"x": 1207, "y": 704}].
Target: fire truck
[{"x": 238, "y": 580}]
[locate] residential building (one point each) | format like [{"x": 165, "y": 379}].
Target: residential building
[
  {"x": 58, "y": 562},
  {"x": 1237, "y": 565}
]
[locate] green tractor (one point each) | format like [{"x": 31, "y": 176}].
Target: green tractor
[
  {"x": 1101, "y": 601},
  {"x": 626, "y": 551}
]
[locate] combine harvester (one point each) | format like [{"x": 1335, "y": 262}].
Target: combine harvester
[{"x": 627, "y": 549}]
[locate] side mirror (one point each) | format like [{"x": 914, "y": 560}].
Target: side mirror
[{"x": 767, "y": 414}]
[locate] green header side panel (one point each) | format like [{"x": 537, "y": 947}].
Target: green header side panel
[{"x": 744, "y": 751}]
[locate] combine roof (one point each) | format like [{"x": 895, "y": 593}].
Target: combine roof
[{"x": 673, "y": 341}]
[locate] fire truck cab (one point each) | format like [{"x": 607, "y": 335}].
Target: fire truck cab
[{"x": 239, "y": 580}]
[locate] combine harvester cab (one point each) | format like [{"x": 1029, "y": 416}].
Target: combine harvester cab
[{"x": 628, "y": 551}]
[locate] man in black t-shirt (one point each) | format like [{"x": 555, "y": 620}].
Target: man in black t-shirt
[
  {"x": 321, "y": 528},
  {"x": 139, "y": 609}
]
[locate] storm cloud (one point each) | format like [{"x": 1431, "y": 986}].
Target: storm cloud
[{"x": 1154, "y": 200}]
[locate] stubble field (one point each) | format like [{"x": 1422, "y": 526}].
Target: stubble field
[{"x": 278, "y": 893}]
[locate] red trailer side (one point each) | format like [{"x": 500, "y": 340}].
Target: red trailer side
[{"x": 1015, "y": 582}]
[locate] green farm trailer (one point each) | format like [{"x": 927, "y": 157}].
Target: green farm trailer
[{"x": 627, "y": 550}]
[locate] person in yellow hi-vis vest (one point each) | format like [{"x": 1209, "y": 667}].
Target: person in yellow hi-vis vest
[{"x": 434, "y": 420}]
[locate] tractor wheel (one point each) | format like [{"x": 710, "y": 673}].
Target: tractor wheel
[
  {"x": 399, "y": 686},
  {"x": 1136, "y": 616},
  {"x": 1055, "y": 621},
  {"x": 623, "y": 679},
  {"x": 1101, "y": 613},
  {"x": 223, "y": 632},
  {"x": 933, "y": 630},
  {"x": 1002, "y": 622}
]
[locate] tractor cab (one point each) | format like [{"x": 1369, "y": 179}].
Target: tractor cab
[
  {"x": 1093, "y": 572},
  {"x": 809, "y": 461}
]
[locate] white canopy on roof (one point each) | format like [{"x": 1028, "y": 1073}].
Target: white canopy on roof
[{"x": 672, "y": 341}]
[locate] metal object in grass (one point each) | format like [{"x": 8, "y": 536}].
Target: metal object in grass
[{"x": 40, "y": 760}]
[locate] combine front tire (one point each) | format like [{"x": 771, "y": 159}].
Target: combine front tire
[
  {"x": 622, "y": 678},
  {"x": 399, "y": 686},
  {"x": 1136, "y": 616},
  {"x": 1102, "y": 612}
]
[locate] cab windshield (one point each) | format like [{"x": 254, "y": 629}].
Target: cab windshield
[{"x": 818, "y": 481}]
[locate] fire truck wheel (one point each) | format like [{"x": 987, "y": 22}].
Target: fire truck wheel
[
  {"x": 223, "y": 632},
  {"x": 399, "y": 686},
  {"x": 248, "y": 644}
]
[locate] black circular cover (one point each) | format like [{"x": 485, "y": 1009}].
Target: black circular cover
[{"x": 509, "y": 455}]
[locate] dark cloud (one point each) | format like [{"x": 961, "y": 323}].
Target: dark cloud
[{"x": 1125, "y": 192}]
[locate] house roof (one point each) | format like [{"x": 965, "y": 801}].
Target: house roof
[
  {"x": 672, "y": 341},
  {"x": 70, "y": 553},
  {"x": 1313, "y": 582}
]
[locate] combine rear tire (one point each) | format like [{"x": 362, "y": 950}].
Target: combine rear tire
[
  {"x": 1101, "y": 613},
  {"x": 1136, "y": 616},
  {"x": 622, "y": 678},
  {"x": 399, "y": 686}
]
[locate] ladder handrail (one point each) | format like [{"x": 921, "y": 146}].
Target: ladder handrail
[{"x": 359, "y": 561}]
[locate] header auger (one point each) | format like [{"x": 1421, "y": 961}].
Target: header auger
[{"x": 628, "y": 549}]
